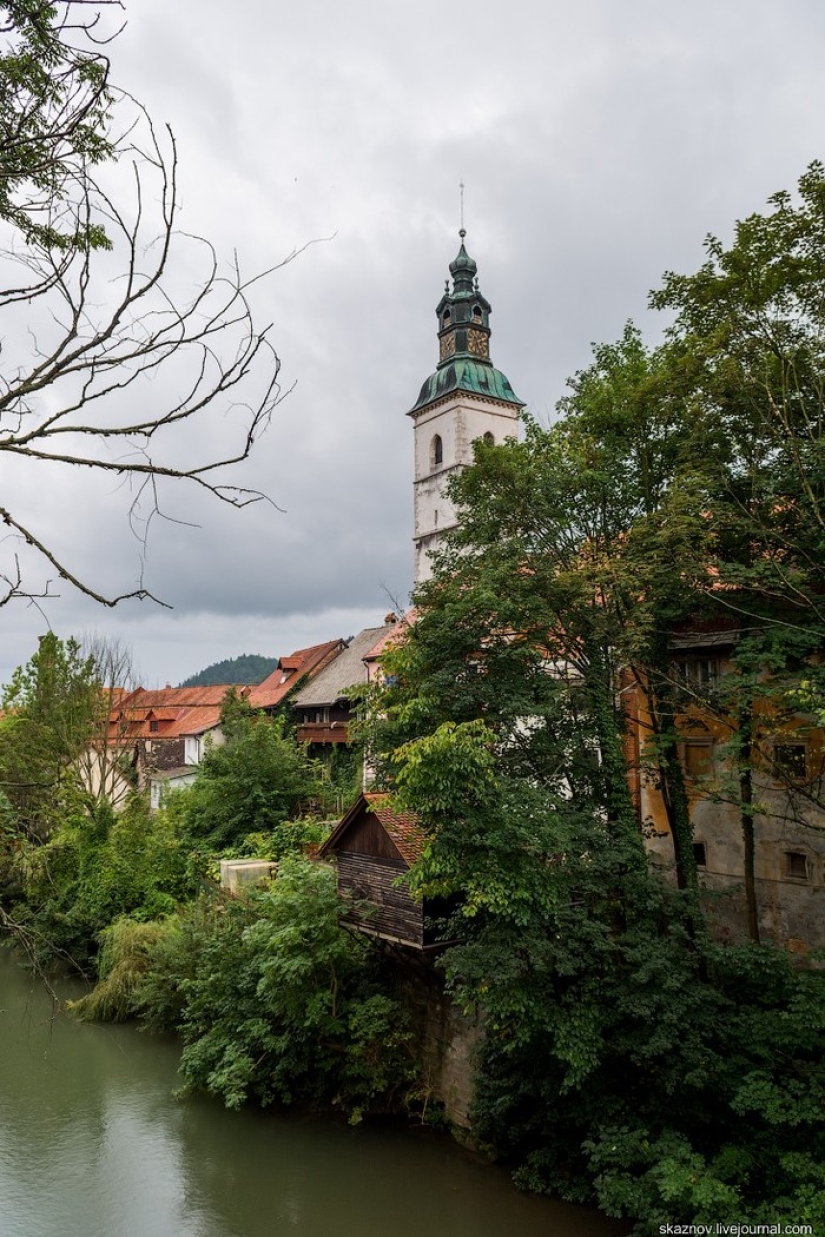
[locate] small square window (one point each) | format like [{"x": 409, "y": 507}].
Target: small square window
[
  {"x": 700, "y": 854},
  {"x": 790, "y": 760},
  {"x": 796, "y": 865},
  {"x": 154, "y": 727}
]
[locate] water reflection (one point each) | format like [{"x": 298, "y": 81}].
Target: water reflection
[{"x": 93, "y": 1144}]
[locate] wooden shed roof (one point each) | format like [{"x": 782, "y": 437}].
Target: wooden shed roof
[{"x": 403, "y": 828}]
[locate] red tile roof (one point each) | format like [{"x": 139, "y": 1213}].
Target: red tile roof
[
  {"x": 403, "y": 828},
  {"x": 291, "y": 670},
  {"x": 194, "y": 710},
  {"x": 393, "y": 634},
  {"x": 183, "y": 710}
]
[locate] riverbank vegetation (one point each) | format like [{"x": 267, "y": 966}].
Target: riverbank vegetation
[
  {"x": 627, "y": 1056},
  {"x": 273, "y": 1001}
]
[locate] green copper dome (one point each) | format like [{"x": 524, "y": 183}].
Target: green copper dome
[
  {"x": 467, "y": 374},
  {"x": 464, "y": 342}
]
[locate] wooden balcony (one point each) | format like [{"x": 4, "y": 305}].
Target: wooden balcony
[{"x": 322, "y": 732}]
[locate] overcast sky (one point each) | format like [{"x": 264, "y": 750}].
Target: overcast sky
[{"x": 599, "y": 143}]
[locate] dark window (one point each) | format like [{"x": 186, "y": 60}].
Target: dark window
[
  {"x": 791, "y": 760},
  {"x": 477, "y": 313},
  {"x": 489, "y": 439},
  {"x": 154, "y": 727},
  {"x": 445, "y": 317},
  {"x": 796, "y": 865},
  {"x": 698, "y": 672},
  {"x": 436, "y": 452},
  {"x": 700, "y": 854}
]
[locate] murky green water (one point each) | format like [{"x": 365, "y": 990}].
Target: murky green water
[{"x": 93, "y": 1144}]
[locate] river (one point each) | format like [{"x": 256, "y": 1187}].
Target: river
[{"x": 93, "y": 1143}]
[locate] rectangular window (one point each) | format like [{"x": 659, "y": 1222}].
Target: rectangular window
[
  {"x": 154, "y": 727},
  {"x": 700, "y": 854},
  {"x": 698, "y": 759},
  {"x": 791, "y": 761},
  {"x": 796, "y": 865},
  {"x": 698, "y": 673}
]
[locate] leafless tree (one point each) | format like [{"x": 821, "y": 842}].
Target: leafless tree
[
  {"x": 107, "y": 763},
  {"x": 117, "y": 330}
]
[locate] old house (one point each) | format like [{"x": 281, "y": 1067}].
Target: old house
[
  {"x": 293, "y": 672},
  {"x": 374, "y": 847},
  {"x": 324, "y": 706},
  {"x": 169, "y": 729},
  {"x": 393, "y": 633},
  {"x": 158, "y": 737},
  {"x": 788, "y": 788}
]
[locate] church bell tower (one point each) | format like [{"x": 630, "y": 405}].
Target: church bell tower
[{"x": 466, "y": 398}]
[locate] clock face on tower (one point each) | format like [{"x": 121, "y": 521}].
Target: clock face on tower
[
  {"x": 447, "y": 346},
  {"x": 478, "y": 343}
]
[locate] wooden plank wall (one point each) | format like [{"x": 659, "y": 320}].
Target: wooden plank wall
[{"x": 392, "y": 911}]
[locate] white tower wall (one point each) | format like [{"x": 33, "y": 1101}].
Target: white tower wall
[{"x": 458, "y": 421}]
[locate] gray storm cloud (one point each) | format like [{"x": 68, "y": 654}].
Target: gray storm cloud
[{"x": 598, "y": 143}]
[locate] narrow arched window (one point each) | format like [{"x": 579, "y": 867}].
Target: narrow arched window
[
  {"x": 476, "y": 313},
  {"x": 489, "y": 439},
  {"x": 436, "y": 452}
]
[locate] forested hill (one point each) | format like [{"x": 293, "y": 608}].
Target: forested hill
[{"x": 250, "y": 668}]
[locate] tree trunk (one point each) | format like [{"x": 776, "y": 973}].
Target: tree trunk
[{"x": 744, "y": 755}]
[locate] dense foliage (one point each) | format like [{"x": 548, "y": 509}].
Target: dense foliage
[
  {"x": 93, "y": 869},
  {"x": 54, "y": 105},
  {"x": 248, "y": 668},
  {"x": 627, "y": 1057},
  {"x": 255, "y": 783},
  {"x": 51, "y": 711},
  {"x": 273, "y": 1000}
]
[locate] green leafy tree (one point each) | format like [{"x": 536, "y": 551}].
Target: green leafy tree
[
  {"x": 620, "y": 1050},
  {"x": 53, "y": 113},
  {"x": 255, "y": 783},
  {"x": 52, "y": 709},
  {"x": 620, "y": 1044},
  {"x": 745, "y": 362},
  {"x": 95, "y": 869},
  {"x": 276, "y": 1003}
]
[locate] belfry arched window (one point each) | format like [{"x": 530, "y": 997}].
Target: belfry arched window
[{"x": 436, "y": 452}]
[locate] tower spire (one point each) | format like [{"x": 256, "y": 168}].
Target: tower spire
[{"x": 465, "y": 399}]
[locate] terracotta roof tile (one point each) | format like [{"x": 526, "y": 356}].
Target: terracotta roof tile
[
  {"x": 403, "y": 828},
  {"x": 290, "y": 670},
  {"x": 393, "y": 634},
  {"x": 184, "y": 710}
]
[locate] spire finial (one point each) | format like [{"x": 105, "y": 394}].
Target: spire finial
[{"x": 462, "y": 232}]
